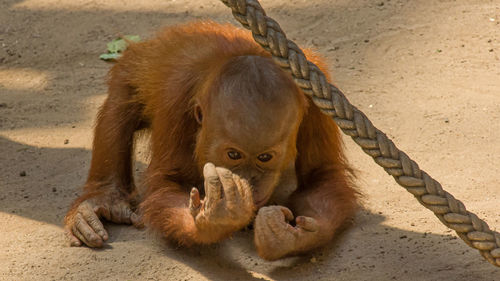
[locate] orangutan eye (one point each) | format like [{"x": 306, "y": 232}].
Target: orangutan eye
[
  {"x": 235, "y": 155},
  {"x": 264, "y": 157}
]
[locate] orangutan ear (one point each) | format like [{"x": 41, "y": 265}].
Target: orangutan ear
[{"x": 198, "y": 115}]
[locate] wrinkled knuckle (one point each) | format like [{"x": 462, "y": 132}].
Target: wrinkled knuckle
[
  {"x": 123, "y": 205},
  {"x": 91, "y": 220},
  {"x": 82, "y": 207},
  {"x": 213, "y": 180},
  {"x": 78, "y": 219},
  {"x": 90, "y": 236},
  {"x": 244, "y": 182},
  {"x": 261, "y": 212},
  {"x": 266, "y": 210},
  {"x": 128, "y": 211},
  {"x": 116, "y": 214}
]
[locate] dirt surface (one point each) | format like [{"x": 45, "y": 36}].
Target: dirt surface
[{"x": 426, "y": 72}]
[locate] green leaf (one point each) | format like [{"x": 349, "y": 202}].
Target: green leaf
[
  {"x": 117, "y": 46},
  {"x": 134, "y": 38},
  {"x": 120, "y": 44},
  {"x": 110, "y": 57}
]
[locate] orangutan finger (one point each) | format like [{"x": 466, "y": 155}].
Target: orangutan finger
[
  {"x": 288, "y": 214},
  {"x": 73, "y": 240},
  {"x": 194, "y": 202},
  {"x": 103, "y": 212},
  {"x": 136, "y": 220},
  {"x": 307, "y": 223},
  {"x": 85, "y": 233},
  {"x": 229, "y": 186},
  {"x": 213, "y": 186},
  {"x": 244, "y": 189},
  {"x": 95, "y": 223}
]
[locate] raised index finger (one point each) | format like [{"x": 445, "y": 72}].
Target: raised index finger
[{"x": 212, "y": 185}]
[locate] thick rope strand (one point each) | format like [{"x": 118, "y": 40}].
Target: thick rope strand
[{"x": 450, "y": 211}]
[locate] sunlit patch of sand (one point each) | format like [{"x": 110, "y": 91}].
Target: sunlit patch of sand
[
  {"x": 23, "y": 79},
  {"x": 110, "y": 5}
]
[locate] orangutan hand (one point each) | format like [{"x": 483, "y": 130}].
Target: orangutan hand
[
  {"x": 276, "y": 238},
  {"x": 83, "y": 224},
  {"x": 228, "y": 203}
]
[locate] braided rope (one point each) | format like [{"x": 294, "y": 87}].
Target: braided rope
[{"x": 450, "y": 211}]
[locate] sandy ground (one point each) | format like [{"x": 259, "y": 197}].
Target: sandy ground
[{"x": 426, "y": 72}]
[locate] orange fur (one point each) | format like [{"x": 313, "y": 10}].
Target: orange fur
[{"x": 155, "y": 85}]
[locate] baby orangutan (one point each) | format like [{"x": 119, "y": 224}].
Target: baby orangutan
[{"x": 233, "y": 140}]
